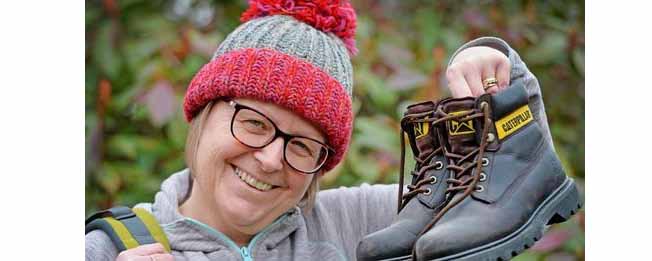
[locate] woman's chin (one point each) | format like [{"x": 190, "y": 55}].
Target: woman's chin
[{"x": 245, "y": 214}]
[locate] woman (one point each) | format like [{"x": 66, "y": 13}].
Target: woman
[{"x": 269, "y": 115}]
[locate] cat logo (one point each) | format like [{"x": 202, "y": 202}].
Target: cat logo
[
  {"x": 459, "y": 128},
  {"x": 421, "y": 129}
]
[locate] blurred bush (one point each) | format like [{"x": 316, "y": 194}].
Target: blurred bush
[{"x": 141, "y": 54}]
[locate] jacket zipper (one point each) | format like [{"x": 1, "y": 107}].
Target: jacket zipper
[{"x": 245, "y": 252}]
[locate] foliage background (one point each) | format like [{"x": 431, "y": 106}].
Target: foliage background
[{"x": 141, "y": 54}]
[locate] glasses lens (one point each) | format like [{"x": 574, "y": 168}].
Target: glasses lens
[
  {"x": 252, "y": 128},
  {"x": 304, "y": 154}
]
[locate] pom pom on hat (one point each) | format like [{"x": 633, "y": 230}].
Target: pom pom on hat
[{"x": 329, "y": 16}]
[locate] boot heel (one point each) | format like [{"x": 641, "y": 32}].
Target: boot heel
[{"x": 569, "y": 204}]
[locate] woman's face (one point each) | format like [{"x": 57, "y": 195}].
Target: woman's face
[{"x": 228, "y": 171}]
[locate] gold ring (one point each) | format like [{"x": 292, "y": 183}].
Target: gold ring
[{"x": 489, "y": 82}]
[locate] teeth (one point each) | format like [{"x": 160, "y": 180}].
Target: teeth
[{"x": 252, "y": 181}]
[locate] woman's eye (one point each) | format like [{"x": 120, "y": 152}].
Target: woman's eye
[
  {"x": 255, "y": 124},
  {"x": 302, "y": 148}
]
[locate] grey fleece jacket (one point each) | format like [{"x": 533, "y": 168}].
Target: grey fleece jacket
[{"x": 339, "y": 220}]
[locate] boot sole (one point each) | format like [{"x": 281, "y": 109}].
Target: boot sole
[
  {"x": 557, "y": 208},
  {"x": 563, "y": 203}
]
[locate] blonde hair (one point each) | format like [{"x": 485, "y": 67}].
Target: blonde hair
[{"x": 192, "y": 144}]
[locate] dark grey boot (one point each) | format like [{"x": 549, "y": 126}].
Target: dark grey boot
[
  {"x": 427, "y": 187},
  {"x": 506, "y": 182}
]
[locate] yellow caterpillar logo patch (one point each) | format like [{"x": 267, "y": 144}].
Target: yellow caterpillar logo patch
[
  {"x": 459, "y": 128},
  {"x": 514, "y": 121},
  {"x": 421, "y": 129}
]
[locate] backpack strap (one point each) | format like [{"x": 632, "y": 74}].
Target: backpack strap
[{"x": 128, "y": 228}]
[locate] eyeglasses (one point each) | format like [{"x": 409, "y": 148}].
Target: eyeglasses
[{"x": 255, "y": 130}]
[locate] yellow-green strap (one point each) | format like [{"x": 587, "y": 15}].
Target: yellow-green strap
[
  {"x": 122, "y": 232},
  {"x": 154, "y": 228}
]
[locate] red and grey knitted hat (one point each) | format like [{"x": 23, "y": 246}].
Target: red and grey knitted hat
[{"x": 294, "y": 53}]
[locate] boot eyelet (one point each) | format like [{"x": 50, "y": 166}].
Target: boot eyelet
[
  {"x": 433, "y": 179},
  {"x": 485, "y": 162},
  {"x": 439, "y": 165},
  {"x": 428, "y": 192},
  {"x": 483, "y": 176},
  {"x": 491, "y": 137},
  {"x": 479, "y": 188}
]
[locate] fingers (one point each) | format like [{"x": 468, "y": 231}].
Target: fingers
[
  {"x": 150, "y": 252},
  {"x": 457, "y": 83},
  {"x": 472, "y": 74},
  {"x": 489, "y": 71},
  {"x": 162, "y": 257},
  {"x": 472, "y": 66},
  {"x": 146, "y": 250},
  {"x": 154, "y": 257},
  {"x": 143, "y": 253},
  {"x": 503, "y": 69}
]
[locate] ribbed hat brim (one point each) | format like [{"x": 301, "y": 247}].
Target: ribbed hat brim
[{"x": 272, "y": 76}]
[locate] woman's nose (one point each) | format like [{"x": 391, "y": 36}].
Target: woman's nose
[{"x": 271, "y": 156}]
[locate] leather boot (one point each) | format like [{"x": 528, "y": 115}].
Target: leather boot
[
  {"x": 425, "y": 192},
  {"x": 505, "y": 182}
]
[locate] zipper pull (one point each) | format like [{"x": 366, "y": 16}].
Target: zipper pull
[{"x": 245, "y": 254}]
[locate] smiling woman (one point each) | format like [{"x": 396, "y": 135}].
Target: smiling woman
[
  {"x": 240, "y": 189},
  {"x": 270, "y": 114}
]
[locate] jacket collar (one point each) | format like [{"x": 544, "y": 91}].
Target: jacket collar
[{"x": 186, "y": 234}]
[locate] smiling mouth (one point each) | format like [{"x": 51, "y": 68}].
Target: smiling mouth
[{"x": 251, "y": 181}]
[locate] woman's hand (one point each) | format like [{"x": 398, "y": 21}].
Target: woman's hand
[
  {"x": 472, "y": 66},
  {"x": 151, "y": 252}
]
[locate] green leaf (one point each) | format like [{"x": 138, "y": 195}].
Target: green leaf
[
  {"x": 177, "y": 130},
  {"x": 92, "y": 14},
  {"x": 429, "y": 25},
  {"x": 109, "y": 179},
  {"x": 549, "y": 50},
  {"x": 367, "y": 168},
  {"x": 123, "y": 145},
  {"x": 373, "y": 134},
  {"x": 104, "y": 52},
  {"x": 527, "y": 256},
  {"x": 192, "y": 64},
  {"x": 138, "y": 51},
  {"x": 378, "y": 92},
  {"x": 578, "y": 60}
]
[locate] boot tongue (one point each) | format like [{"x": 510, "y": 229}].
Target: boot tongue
[
  {"x": 424, "y": 136},
  {"x": 461, "y": 134}
]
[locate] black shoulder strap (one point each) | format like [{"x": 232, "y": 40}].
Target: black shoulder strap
[{"x": 128, "y": 228}]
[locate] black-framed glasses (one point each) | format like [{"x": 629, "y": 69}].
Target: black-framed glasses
[{"x": 255, "y": 130}]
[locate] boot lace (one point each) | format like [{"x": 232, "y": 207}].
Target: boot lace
[
  {"x": 461, "y": 165},
  {"x": 422, "y": 161}
]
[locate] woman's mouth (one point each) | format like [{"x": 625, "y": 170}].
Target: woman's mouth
[{"x": 251, "y": 181}]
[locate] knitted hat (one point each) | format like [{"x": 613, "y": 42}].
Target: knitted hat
[{"x": 292, "y": 53}]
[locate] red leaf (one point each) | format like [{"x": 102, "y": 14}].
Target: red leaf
[{"x": 104, "y": 93}]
